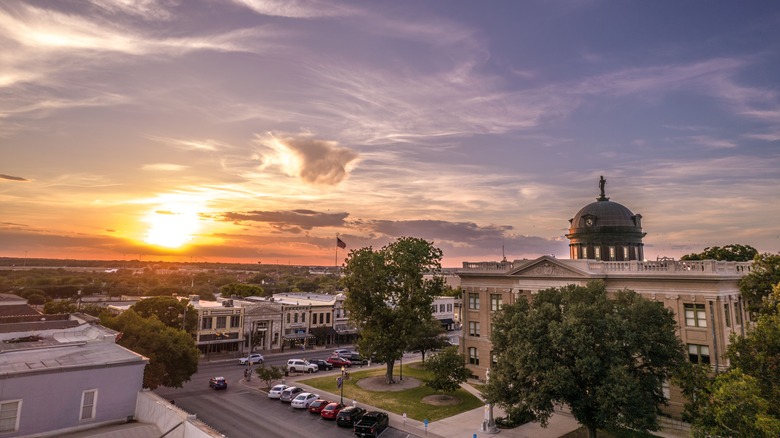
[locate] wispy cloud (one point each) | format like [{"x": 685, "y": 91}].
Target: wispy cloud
[
  {"x": 13, "y": 178},
  {"x": 166, "y": 167},
  {"x": 291, "y": 221},
  {"x": 152, "y": 10},
  {"x": 296, "y": 8}
]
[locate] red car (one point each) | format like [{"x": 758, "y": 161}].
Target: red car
[
  {"x": 337, "y": 361},
  {"x": 332, "y": 410},
  {"x": 318, "y": 405}
]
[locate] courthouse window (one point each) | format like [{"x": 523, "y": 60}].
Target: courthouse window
[
  {"x": 9, "y": 416},
  {"x": 625, "y": 253},
  {"x": 495, "y": 302},
  {"x": 221, "y": 322},
  {"x": 597, "y": 253},
  {"x": 235, "y": 321},
  {"x": 699, "y": 353},
  {"x": 206, "y": 323},
  {"x": 474, "y": 301},
  {"x": 473, "y": 356},
  {"x": 727, "y": 313},
  {"x": 473, "y": 328},
  {"x": 695, "y": 315}
]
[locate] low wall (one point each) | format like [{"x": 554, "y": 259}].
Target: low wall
[{"x": 172, "y": 421}]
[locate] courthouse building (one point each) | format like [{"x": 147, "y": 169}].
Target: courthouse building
[{"x": 606, "y": 244}]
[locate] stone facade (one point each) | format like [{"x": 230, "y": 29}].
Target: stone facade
[{"x": 703, "y": 295}]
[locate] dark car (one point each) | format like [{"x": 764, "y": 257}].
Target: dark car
[
  {"x": 355, "y": 358},
  {"x": 318, "y": 405},
  {"x": 218, "y": 383},
  {"x": 372, "y": 424},
  {"x": 321, "y": 364},
  {"x": 349, "y": 415},
  {"x": 337, "y": 361}
]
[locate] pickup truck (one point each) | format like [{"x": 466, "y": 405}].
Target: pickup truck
[{"x": 372, "y": 424}]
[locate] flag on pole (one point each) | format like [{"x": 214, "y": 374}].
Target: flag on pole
[{"x": 340, "y": 243}]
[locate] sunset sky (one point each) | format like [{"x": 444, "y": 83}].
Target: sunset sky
[{"x": 257, "y": 131}]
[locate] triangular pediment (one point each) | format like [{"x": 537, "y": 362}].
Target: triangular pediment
[
  {"x": 547, "y": 266},
  {"x": 264, "y": 309}
]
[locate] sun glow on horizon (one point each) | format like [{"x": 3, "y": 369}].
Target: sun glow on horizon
[{"x": 172, "y": 225}]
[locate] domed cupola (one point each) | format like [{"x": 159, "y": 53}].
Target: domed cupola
[{"x": 605, "y": 230}]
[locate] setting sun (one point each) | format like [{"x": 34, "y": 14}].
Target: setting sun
[{"x": 171, "y": 227}]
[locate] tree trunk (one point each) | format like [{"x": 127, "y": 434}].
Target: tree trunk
[
  {"x": 389, "y": 374},
  {"x": 591, "y": 432}
]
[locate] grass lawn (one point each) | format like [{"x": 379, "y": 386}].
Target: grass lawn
[
  {"x": 582, "y": 432},
  {"x": 408, "y": 401}
]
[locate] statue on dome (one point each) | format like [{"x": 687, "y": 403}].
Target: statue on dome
[{"x": 602, "y": 183}]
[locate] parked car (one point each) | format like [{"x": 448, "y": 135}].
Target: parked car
[
  {"x": 318, "y": 405},
  {"x": 371, "y": 424},
  {"x": 301, "y": 366},
  {"x": 251, "y": 359},
  {"x": 290, "y": 393},
  {"x": 355, "y": 358},
  {"x": 342, "y": 352},
  {"x": 349, "y": 415},
  {"x": 321, "y": 364},
  {"x": 218, "y": 383},
  {"x": 331, "y": 411},
  {"x": 303, "y": 400},
  {"x": 338, "y": 361},
  {"x": 276, "y": 391}
]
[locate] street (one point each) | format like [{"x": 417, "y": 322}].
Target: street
[{"x": 245, "y": 411}]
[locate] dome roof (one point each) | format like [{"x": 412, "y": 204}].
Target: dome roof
[{"x": 605, "y": 214}]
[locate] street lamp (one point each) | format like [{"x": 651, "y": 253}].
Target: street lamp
[{"x": 341, "y": 384}]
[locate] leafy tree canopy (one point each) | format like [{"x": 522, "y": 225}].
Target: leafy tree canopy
[
  {"x": 758, "y": 355},
  {"x": 59, "y": 307},
  {"x": 428, "y": 337},
  {"x": 169, "y": 310},
  {"x": 449, "y": 370},
  {"x": 730, "y": 253},
  {"x": 269, "y": 374},
  {"x": 389, "y": 297},
  {"x": 241, "y": 290},
  {"x": 173, "y": 356},
  {"x": 605, "y": 358},
  {"x": 734, "y": 407},
  {"x": 758, "y": 284}
]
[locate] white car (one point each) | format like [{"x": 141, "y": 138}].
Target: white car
[
  {"x": 252, "y": 359},
  {"x": 276, "y": 391},
  {"x": 303, "y": 400},
  {"x": 301, "y": 366}
]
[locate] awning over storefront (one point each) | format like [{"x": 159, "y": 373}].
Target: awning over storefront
[
  {"x": 295, "y": 336},
  {"x": 447, "y": 321}
]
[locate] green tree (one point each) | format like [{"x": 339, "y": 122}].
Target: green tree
[
  {"x": 241, "y": 290},
  {"x": 428, "y": 337},
  {"x": 758, "y": 355},
  {"x": 173, "y": 356},
  {"x": 735, "y": 407},
  {"x": 36, "y": 299},
  {"x": 388, "y": 296},
  {"x": 730, "y": 253},
  {"x": 607, "y": 359},
  {"x": 169, "y": 310},
  {"x": 269, "y": 374},
  {"x": 764, "y": 274},
  {"x": 59, "y": 307},
  {"x": 449, "y": 370}
]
